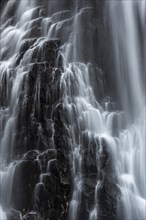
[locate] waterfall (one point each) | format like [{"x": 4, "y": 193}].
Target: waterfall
[
  {"x": 67, "y": 149},
  {"x": 129, "y": 53},
  {"x": 127, "y": 20}
]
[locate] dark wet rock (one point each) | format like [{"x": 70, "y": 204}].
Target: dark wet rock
[
  {"x": 108, "y": 195},
  {"x": 64, "y": 168},
  {"x": 45, "y": 157},
  {"x": 42, "y": 202},
  {"x": 35, "y": 128},
  {"x": 89, "y": 162},
  {"x": 13, "y": 214},
  {"x": 47, "y": 195},
  {"x": 26, "y": 176},
  {"x": 62, "y": 145},
  {"x": 34, "y": 32},
  {"x": 52, "y": 167},
  {"x": 53, "y": 214},
  {"x": 108, "y": 192},
  {"x": 60, "y": 61},
  {"x": 4, "y": 92},
  {"x": 26, "y": 44},
  {"x": 49, "y": 181},
  {"x": 46, "y": 52},
  {"x": 89, "y": 182},
  {"x": 88, "y": 195},
  {"x": 108, "y": 104},
  {"x": 106, "y": 167},
  {"x": 89, "y": 155},
  {"x": 31, "y": 155}
]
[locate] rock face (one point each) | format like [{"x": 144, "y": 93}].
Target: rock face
[
  {"x": 42, "y": 176},
  {"x": 108, "y": 193},
  {"x": 36, "y": 125},
  {"x": 43, "y": 173}
]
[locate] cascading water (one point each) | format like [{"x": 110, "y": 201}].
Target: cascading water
[
  {"x": 127, "y": 20},
  {"x": 53, "y": 105},
  {"x": 129, "y": 53}
]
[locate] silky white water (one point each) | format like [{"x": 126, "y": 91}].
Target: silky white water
[
  {"x": 126, "y": 19},
  {"x": 86, "y": 118}
]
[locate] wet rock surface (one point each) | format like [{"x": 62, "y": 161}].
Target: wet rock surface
[
  {"x": 108, "y": 191},
  {"x": 43, "y": 173}
]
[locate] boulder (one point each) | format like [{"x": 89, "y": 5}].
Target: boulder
[{"x": 26, "y": 176}]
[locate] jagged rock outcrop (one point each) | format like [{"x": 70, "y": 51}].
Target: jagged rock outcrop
[{"x": 43, "y": 174}]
